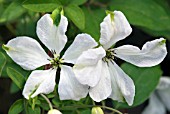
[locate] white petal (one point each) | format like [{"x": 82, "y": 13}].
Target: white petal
[
  {"x": 116, "y": 92},
  {"x": 103, "y": 89},
  {"x": 155, "y": 106},
  {"x": 88, "y": 66},
  {"x": 81, "y": 43},
  {"x": 27, "y": 52},
  {"x": 91, "y": 57},
  {"x": 114, "y": 30},
  {"x": 69, "y": 87},
  {"x": 52, "y": 36},
  {"x": 125, "y": 86},
  {"x": 40, "y": 81},
  {"x": 164, "y": 83},
  {"x": 164, "y": 93},
  {"x": 88, "y": 75},
  {"x": 152, "y": 53}
]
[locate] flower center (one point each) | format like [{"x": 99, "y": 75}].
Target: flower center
[
  {"x": 109, "y": 55},
  {"x": 56, "y": 61}
]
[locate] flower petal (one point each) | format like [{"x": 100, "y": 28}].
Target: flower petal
[
  {"x": 125, "y": 86},
  {"x": 103, "y": 89},
  {"x": 163, "y": 91},
  {"x": 40, "y": 81},
  {"x": 152, "y": 53},
  {"x": 164, "y": 83},
  {"x": 88, "y": 66},
  {"x": 27, "y": 52},
  {"x": 81, "y": 43},
  {"x": 113, "y": 30},
  {"x": 155, "y": 106},
  {"x": 90, "y": 57},
  {"x": 69, "y": 87},
  {"x": 52, "y": 36}
]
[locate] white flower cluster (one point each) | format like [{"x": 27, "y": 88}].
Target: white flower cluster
[{"x": 94, "y": 70}]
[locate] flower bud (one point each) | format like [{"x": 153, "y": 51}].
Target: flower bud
[
  {"x": 54, "y": 111},
  {"x": 97, "y": 110}
]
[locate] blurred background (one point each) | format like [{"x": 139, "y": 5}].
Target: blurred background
[{"x": 150, "y": 19}]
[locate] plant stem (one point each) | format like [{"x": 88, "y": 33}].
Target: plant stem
[
  {"x": 48, "y": 101},
  {"x": 114, "y": 110},
  {"x": 89, "y": 106}
]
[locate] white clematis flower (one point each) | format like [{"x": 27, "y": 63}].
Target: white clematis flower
[
  {"x": 29, "y": 54},
  {"x": 159, "y": 100},
  {"x": 97, "y": 69}
]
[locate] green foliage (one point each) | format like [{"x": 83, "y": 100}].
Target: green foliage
[
  {"x": 75, "y": 2},
  {"x": 2, "y": 62},
  {"x": 16, "y": 77},
  {"x": 151, "y": 15},
  {"x": 56, "y": 15},
  {"x": 14, "y": 88},
  {"x": 145, "y": 80},
  {"x": 93, "y": 18},
  {"x": 12, "y": 12},
  {"x": 17, "y": 107},
  {"x": 76, "y": 15},
  {"x": 41, "y": 5},
  {"x": 35, "y": 111}
]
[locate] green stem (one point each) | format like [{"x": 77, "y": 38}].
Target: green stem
[
  {"x": 48, "y": 101},
  {"x": 114, "y": 110},
  {"x": 103, "y": 103},
  {"x": 89, "y": 106}
]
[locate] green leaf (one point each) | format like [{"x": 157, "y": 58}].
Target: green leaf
[
  {"x": 14, "y": 88},
  {"x": 151, "y": 14},
  {"x": 165, "y": 33},
  {"x": 78, "y": 2},
  {"x": 93, "y": 18},
  {"x": 41, "y": 5},
  {"x": 2, "y": 62},
  {"x": 12, "y": 12},
  {"x": 16, "y": 77},
  {"x": 145, "y": 80},
  {"x": 35, "y": 111},
  {"x": 17, "y": 107},
  {"x": 75, "y": 2},
  {"x": 76, "y": 15}
]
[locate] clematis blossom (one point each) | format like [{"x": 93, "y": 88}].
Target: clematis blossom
[
  {"x": 97, "y": 69},
  {"x": 29, "y": 54},
  {"x": 159, "y": 100}
]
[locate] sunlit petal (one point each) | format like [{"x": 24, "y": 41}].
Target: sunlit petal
[
  {"x": 39, "y": 81},
  {"x": 125, "y": 86},
  {"x": 103, "y": 89},
  {"x": 52, "y": 36},
  {"x": 81, "y": 43},
  {"x": 69, "y": 88},
  {"x": 151, "y": 54},
  {"x": 88, "y": 66},
  {"x": 27, "y": 52},
  {"x": 113, "y": 30}
]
